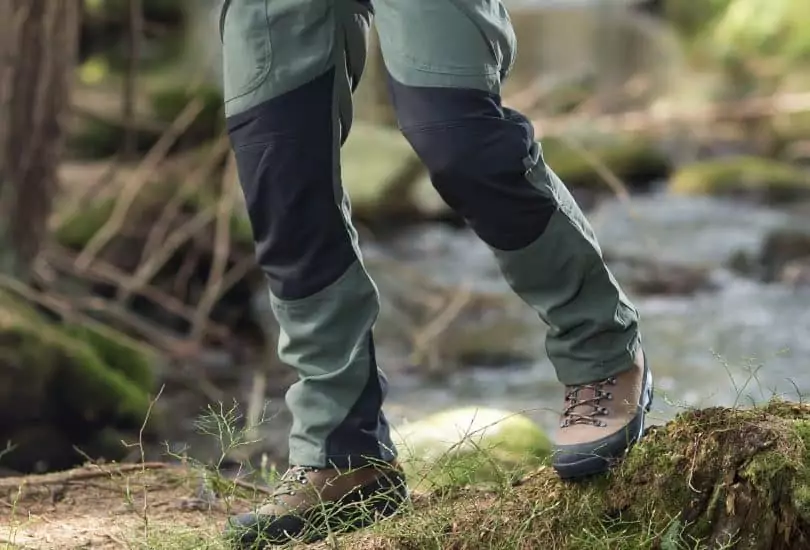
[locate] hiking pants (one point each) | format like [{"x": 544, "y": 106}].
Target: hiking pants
[{"x": 290, "y": 68}]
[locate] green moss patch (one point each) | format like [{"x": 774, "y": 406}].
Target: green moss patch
[
  {"x": 72, "y": 381},
  {"x": 634, "y": 161},
  {"x": 77, "y": 230},
  {"x": 712, "y": 478},
  {"x": 68, "y": 372},
  {"x": 742, "y": 176},
  {"x": 470, "y": 445}
]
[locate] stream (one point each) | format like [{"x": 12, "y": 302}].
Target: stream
[{"x": 738, "y": 343}]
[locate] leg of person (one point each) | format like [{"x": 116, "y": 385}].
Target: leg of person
[
  {"x": 290, "y": 67},
  {"x": 446, "y": 60}
]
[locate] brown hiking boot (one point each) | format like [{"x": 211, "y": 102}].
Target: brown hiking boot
[
  {"x": 601, "y": 421},
  {"x": 309, "y": 503}
]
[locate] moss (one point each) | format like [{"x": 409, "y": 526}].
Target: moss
[
  {"x": 470, "y": 446},
  {"x": 71, "y": 380},
  {"x": 742, "y": 176},
  {"x": 101, "y": 137},
  {"x": 77, "y": 230},
  {"x": 167, "y": 104},
  {"x": 121, "y": 354},
  {"x": 801, "y": 487},
  {"x": 98, "y": 130},
  {"x": 371, "y": 158},
  {"x": 632, "y": 160},
  {"x": 96, "y": 391},
  {"x": 709, "y": 476},
  {"x": 690, "y": 19}
]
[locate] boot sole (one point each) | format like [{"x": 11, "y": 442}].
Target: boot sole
[
  {"x": 373, "y": 503},
  {"x": 595, "y": 465}
]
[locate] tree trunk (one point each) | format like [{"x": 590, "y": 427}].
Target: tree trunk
[{"x": 38, "y": 44}]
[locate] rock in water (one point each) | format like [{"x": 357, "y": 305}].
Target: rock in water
[{"x": 469, "y": 446}]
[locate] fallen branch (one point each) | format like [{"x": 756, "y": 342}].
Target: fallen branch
[
  {"x": 130, "y": 191},
  {"x": 222, "y": 250},
  {"x": 190, "y": 184},
  {"x": 72, "y": 476},
  {"x": 106, "y": 273}
]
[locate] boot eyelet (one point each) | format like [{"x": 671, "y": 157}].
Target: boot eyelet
[
  {"x": 604, "y": 411},
  {"x": 602, "y": 424}
]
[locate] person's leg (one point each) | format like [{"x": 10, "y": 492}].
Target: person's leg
[
  {"x": 446, "y": 60},
  {"x": 290, "y": 67}
]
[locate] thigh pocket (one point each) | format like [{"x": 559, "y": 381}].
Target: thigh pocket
[{"x": 246, "y": 48}]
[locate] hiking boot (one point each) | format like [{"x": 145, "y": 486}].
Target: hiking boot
[
  {"x": 601, "y": 421},
  {"x": 309, "y": 503}
]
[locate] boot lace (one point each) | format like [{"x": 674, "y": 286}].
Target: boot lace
[
  {"x": 292, "y": 480},
  {"x": 587, "y": 410}
]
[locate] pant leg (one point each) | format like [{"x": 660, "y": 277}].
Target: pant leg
[
  {"x": 446, "y": 60},
  {"x": 289, "y": 69}
]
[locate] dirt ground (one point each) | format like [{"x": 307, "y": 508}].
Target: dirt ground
[{"x": 106, "y": 508}]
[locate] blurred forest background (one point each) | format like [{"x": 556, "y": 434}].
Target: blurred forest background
[{"x": 127, "y": 281}]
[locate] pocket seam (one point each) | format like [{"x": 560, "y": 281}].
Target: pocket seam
[{"x": 261, "y": 76}]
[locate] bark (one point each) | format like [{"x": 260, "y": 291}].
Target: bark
[{"x": 38, "y": 45}]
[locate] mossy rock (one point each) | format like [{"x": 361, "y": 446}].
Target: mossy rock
[
  {"x": 120, "y": 353},
  {"x": 742, "y": 176},
  {"x": 372, "y": 159},
  {"x": 636, "y": 162},
  {"x": 469, "y": 446},
  {"x": 373, "y": 155},
  {"x": 503, "y": 342},
  {"x": 710, "y": 478},
  {"x": 60, "y": 373}
]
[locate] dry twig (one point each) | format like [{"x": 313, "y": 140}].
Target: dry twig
[{"x": 130, "y": 191}]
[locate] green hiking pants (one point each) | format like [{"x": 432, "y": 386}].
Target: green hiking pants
[{"x": 290, "y": 68}]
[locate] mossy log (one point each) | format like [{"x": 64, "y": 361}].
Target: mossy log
[
  {"x": 636, "y": 162},
  {"x": 742, "y": 176},
  {"x": 68, "y": 380},
  {"x": 712, "y": 478}
]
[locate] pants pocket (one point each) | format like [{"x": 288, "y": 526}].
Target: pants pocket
[{"x": 246, "y": 46}]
